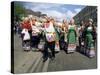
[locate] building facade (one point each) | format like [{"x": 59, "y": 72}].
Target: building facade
[{"x": 86, "y": 13}]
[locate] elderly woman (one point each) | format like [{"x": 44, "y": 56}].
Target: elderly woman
[{"x": 71, "y": 37}]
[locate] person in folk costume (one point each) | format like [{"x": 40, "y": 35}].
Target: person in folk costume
[
  {"x": 26, "y": 24},
  {"x": 30, "y": 31},
  {"x": 49, "y": 39},
  {"x": 65, "y": 32},
  {"x": 57, "y": 45},
  {"x": 94, "y": 34},
  {"x": 35, "y": 34},
  {"x": 89, "y": 42},
  {"x": 25, "y": 34},
  {"x": 39, "y": 25},
  {"x": 61, "y": 41},
  {"x": 81, "y": 38},
  {"x": 71, "y": 37}
]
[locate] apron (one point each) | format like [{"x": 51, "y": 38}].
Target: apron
[
  {"x": 35, "y": 31},
  {"x": 50, "y": 32}
]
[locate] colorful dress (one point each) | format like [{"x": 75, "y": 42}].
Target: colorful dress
[
  {"x": 89, "y": 42},
  {"x": 71, "y": 38}
]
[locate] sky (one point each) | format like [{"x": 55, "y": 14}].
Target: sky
[{"x": 58, "y": 11}]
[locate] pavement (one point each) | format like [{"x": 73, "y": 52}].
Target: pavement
[{"x": 32, "y": 62}]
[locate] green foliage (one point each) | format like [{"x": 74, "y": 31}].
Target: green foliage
[{"x": 19, "y": 10}]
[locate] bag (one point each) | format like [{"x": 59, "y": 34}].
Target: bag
[{"x": 26, "y": 34}]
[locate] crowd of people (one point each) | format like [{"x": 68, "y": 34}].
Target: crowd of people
[{"x": 56, "y": 36}]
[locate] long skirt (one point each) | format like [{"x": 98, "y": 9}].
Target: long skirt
[
  {"x": 90, "y": 50},
  {"x": 71, "y": 42},
  {"x": 61, "y": 41},
  {"x": 35, "y": 41}
]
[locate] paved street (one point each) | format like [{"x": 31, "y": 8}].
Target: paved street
[{"x": 27, "y": 62}]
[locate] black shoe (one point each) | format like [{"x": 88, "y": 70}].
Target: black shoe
[{"x": 45, "y": 59}]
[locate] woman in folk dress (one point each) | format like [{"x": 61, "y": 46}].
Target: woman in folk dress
[
  {"x": 63, "y": 34},
  {"x": 49, "y": 39},
  {"x": 57, "y": 45},
  {"x": 89, "y": 42},
  {"x": 27, "y": 27},
  {"x": 25, "y": 33},
  {"x": 81, "y": 38},
  {"x": 71, "y": 37},
  {"x": 35, "y": 35},
  {"x": 26, "y": 39}
]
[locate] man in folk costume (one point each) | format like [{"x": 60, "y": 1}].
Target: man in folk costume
[
  {"x": 72, "y": 37},
  {"x": 89, "y": 42},
  {"x": 49, "y": 39}
]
